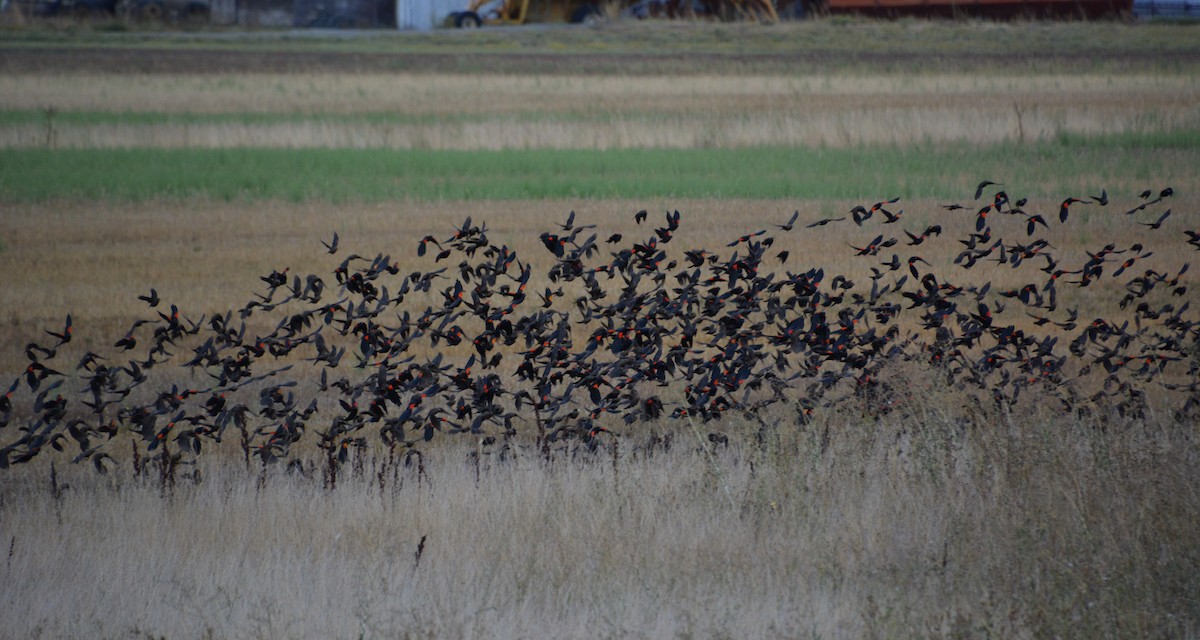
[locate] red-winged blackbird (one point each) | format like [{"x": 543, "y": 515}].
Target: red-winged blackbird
[
  {"x": 823, "y": 222},
  {"x": 983, "y": 185},
  {"x": 790, "y": 222}
]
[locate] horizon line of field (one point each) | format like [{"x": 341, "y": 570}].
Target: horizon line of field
[{"x": 1068, "y": 164}]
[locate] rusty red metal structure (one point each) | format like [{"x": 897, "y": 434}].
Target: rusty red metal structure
[{"x": 996, "y": 9}]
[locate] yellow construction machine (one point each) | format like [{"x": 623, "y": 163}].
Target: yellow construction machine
[
  {"x": 498, "y": 12},
  {"x": 494, "y": 12}
]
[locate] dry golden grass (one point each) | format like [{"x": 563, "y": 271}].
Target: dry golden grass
[
  {"x": 595, "y": 112},
  {"x": 1016, "y": 526},
  {"x": 507, "y": 94}
]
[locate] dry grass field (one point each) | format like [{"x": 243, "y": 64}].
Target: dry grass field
[
  {"x": 417, "y": 111},
  {"x": 945, "y": 518},
  {"x": 1017, "y": 527}
]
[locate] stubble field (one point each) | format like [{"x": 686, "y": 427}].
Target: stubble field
[{"x": 200, "y": 163}]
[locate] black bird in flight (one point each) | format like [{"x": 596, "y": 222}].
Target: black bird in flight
[
  {"x": 151, "y": 299},
  {"x": 915, "y": 240},
  {"x": 746, "y": 238},
  {"x": 1062, "y": 210},
  {"x": 331, "y": 246},
  {"x": 1193, "y": 238},
  {"x": 427, "y": 239},
  {"x": 788, "y": 226},
  {"x": 981, "y": 217},
  {"x": 65, "y": 336},
  {"x": 823, "y": 222},
  {"x": 1157, "y": 223},
  {"x": 860, "y": 214},
  {"x": 871, "y": 249},
  {"x": 983, "y": 185},
  {"x": 1034, "y": 220}
]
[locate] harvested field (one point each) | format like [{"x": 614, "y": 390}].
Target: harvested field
[
  {"x": 93, "y": 260},
  {"x": 418, "y": 111}
]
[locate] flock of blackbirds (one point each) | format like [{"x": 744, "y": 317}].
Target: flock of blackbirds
[{"x": 625, "y": 333}]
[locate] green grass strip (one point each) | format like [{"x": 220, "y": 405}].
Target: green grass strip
[{"x": 341, "y": 175}]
